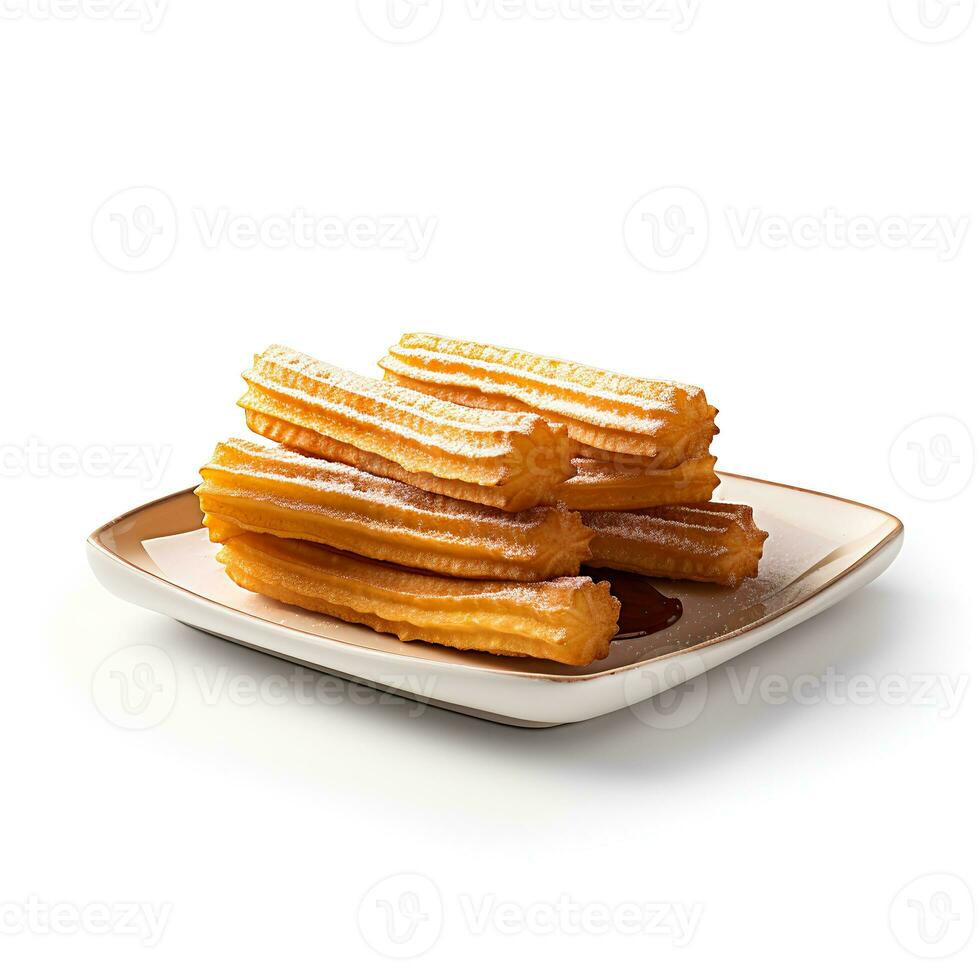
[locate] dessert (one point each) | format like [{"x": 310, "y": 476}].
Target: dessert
[
  {"x": 455, "y": 500},
  {"x": 248, "y": 487},
  {"x": 568, "y": 620},
  {"x": 509, "y": 460},
  {"x": 630, "y": 483},
  {"x": 663, "y": 421},
  {"x": 705, "y": 542}
]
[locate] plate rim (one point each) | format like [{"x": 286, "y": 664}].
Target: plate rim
[{"x": 897, "y": 530}]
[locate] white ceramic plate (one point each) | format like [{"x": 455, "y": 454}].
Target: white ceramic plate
[{"x": 820, "y": 549}]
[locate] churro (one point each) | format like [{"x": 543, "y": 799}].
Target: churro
[
  {"x": 567, "y": 620},
  {"x": 631, "y": 483},
  {"x": 248, "y": 487},
  {"x": 509, "y": 460},
  {"x": 707, "y": 542},
  {"x": 663, "y": 421}
]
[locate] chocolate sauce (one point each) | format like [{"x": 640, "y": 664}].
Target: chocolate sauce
[{"x": 645, "y": 609}]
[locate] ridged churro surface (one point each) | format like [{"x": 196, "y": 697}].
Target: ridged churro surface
[
  {"x": 630, "y": 483},
  {"x": 662, "y": 420},
  {"x": 568, "y": 620},
  {"x": 248, "y": 487},
  {"x": 708, "y": 542},
  {"x": 512, "y": 460}
]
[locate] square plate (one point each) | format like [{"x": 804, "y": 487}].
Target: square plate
[{"x": 820, "y": 549}]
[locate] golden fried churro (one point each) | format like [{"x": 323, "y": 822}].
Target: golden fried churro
[
  {"x": 568, "y": 620},
  {"x": 248, "y": 487},
  {"x": 503, "y": 459},
  {"x": 709, "y": 542},
  {"x": 663, "y": 421},
  {"x": 631, "y": 483}
]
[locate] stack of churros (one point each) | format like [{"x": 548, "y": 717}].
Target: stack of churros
[{"x": 456, "y": 500}]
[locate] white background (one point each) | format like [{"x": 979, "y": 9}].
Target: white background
[{"x": 258, "y": 827}]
